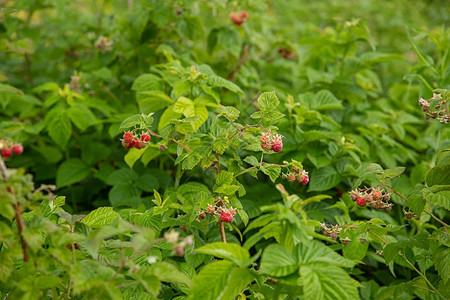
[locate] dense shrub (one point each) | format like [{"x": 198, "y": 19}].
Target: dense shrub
[{"x": 203, "y": 150}]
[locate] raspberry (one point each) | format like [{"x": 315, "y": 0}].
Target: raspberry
[
  {"x": 179, "y": 251},
  {"x": 345, "y": 241},
  {"x": 305, "y": 180},
  {"x": 184, "y": 228},
  {"x": 265, "y": 143},
  {"x": 291, "y": 177},
  {"x": 277, "y": 145},
  {"x": 18, "y": 149},
  {"x": 128, "y": 136},
  {"x": 202, "y": 215},
  {"x": 233, "y": 212},
  {"x": 6, "y": 152},
  {"x": 145, "y": 137},
  {"x": 238, "y": 19},
  {"x": 376, "y": 195},
  {"x": 211, "y": 210},
  {"x": 226, "y": 217},
  {"x": 127, "y": 145},
  {"x": 361, "y": 202}
]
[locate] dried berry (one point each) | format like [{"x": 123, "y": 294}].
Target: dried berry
[{"x": 211, "y": 210}]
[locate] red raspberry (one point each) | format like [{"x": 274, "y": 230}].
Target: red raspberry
[
  {"x": 127, "y": 145},
  {"x": 6, "y": 152},
  {"x": 277, "y": 145},
  {"x": 305, "y": 180},
  {"x": 238, "y": 19},
  {"x": 128, "y": 136},
  {"x": 226, "y": 217},
  {"x": 18, "y": 149},
  {"x": 361, "y": 202},
  {"x": 145, "y": 137}
]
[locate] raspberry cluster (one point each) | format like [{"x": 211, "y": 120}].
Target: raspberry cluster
[
  {"x": 286, "y": 53},
  {"x": 238, "y": 18},
  {"x": 270, "y": 141},
  {"x": 409, "y": 215},
  {"x": 104, "y": 44},
  {"x": 297, "y": 174},
  {"x": 332, "y": 231},
  {"x": 221, "y": 209},
  {"x": 7, "y": 148},
  {"x": 173, "y": 237},
  {"x": 376, "y": 198},
  {"x": 439, "y": 112},
  {"x": 130, "y": 140}
]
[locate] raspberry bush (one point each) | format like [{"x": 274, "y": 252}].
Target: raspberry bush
[{"x": 239, "y": 150}]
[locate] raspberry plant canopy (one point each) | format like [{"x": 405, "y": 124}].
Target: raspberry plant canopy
[{"x": 237, "y": 150}]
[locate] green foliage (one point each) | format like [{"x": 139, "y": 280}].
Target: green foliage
[{"x": 147, "y": 221}]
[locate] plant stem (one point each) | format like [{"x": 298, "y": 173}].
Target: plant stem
[
  {"x": 436, "y": 218},
  {"x": 421, "y": 275},
  {"x": 18, "y": 214},
  {"x": 245, "y": 171},
  {"x": 222, "y": 232},
  {"x": 232, "y": 75}
]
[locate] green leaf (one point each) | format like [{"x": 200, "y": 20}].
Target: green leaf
[
  {"x": 416, "y": 202},
  {"x": 273, "y": 115},
  {"x": 71, "y": 171},
  {"x": 325, "y": 100},
  {"x": 438, "y": 195},
  {"x": 220, "y": 145},
  {"x": 252, "y": 161},
  {"x": 327, "y": 282},
  {"x": 256, "y": 115},
  {"x": 217, "y": 81},
  {"x": 211, "y": 281},
  {"x": 272, "y": 171},
  {"x": 100, "y": 217},
  {"x": 324, "y": 179},
  {"x": 167, "y": 117},
  {"x": 439, "y": 175},
  {"x": 169, "y": 273},
  {"x": 355, "y": 250},
  {"x": 58, "y": 126},
  {"x": 240, "y": 278},
  {"x": 124, "y": 194},
  {"x": 268, "y": 101},
  {"x": 394, "y": 172},
  {"x": 229, "y": 112},
  {"x": 441, "y": 259},
  {"x": 277, "y": 261},
  {"x": 133, "y": 156},
  {"x": 232, "y": 252},
  {"x": 132, "y": 121},
  {"x": 151, "y": 101},
  {"x": 315, "y": 252},
  {"x": 227, "y": 189},
  {"x": 224, "y": 177}
]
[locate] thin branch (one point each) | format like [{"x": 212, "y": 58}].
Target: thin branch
[
  {"x": 232, "y": 75},
  {"x": 179, "y": 143},
  {"x": 436, "y": 218},
  {"x": 18, "y": 214},
  {"x": 421, "y": 275},
  {"x": 245, "y": 171}
]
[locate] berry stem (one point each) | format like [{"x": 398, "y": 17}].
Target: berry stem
[
  {"x": 245, "y": 171},
  {"x": 222, "y": 232},
  {"x": 232, "y": 75},
  {"x": 18, "y": 214},
  {"x": 421, "y": 275}
]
